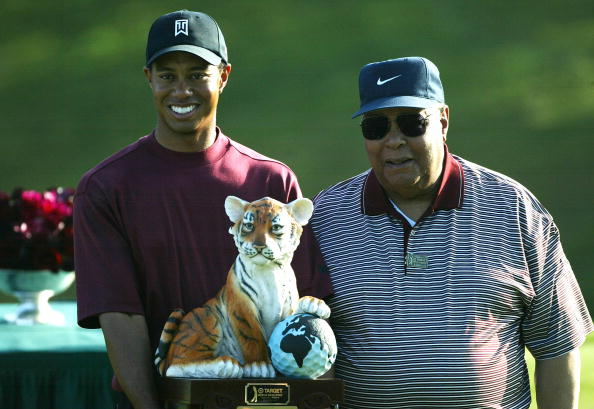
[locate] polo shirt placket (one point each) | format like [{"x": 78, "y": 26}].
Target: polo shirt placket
[{"x": 375, "y": 202}]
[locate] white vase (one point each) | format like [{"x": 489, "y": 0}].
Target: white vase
[{"x": 33, "y": 289}]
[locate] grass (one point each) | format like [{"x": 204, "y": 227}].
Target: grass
[{"x": 587, "y": 375}]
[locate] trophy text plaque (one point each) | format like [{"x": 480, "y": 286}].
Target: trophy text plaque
[{"x": 251, "y": 393}]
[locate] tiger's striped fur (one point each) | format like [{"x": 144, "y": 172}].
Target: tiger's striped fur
[{"x": 227, "y": 337}]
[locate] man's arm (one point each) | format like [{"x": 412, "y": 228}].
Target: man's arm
[
  {"x": 558, "y": 381},
  {"x": 128, "y": 347}
]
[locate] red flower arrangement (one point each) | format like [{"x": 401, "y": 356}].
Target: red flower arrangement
[{"x": 36, "y": 230}]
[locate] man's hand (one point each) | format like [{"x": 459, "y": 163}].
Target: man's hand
[
  {"x": 128, "y": 347},
  {"x": 558, "y": 381}
]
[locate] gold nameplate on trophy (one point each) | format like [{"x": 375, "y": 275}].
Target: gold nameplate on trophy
[{"x": 267, "y": 394}]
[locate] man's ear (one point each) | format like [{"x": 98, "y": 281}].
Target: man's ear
[
  {"x": 225, "y": 72},
  {"x": 444, "y": 118},
  {"x": 148, "y": 75}
]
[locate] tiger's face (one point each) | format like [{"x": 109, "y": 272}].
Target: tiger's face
[{"x": 266, "y": 230}]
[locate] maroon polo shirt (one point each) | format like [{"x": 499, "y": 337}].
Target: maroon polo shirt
[{"x": 151, "y": 233}]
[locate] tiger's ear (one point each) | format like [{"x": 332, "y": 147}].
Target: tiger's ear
[
  {"x": 301, "y": 209},
  {"x": 234, "y": 207}
]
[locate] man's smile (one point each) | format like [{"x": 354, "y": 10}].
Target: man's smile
[
  {"x": 398, "y": 162},
  {"x": 183, "y": 110}
]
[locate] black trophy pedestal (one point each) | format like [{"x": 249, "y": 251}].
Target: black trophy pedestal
[{"x": 251, "y": 393}]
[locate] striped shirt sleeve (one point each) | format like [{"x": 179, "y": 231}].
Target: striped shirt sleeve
[{"x": 557, "y": 318}]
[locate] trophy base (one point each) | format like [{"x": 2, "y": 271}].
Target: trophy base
[{"x": 251, "y": 393}]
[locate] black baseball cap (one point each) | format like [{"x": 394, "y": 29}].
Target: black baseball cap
[
  {"x": 402, "y": 82},
  {"x": 188, "y": 31}
]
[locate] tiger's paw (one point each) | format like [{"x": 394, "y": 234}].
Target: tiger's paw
[
  {"x": 258, "y": 370},
  {"x": 221, "y": 367},
  {"x": 313, "y": 305}
]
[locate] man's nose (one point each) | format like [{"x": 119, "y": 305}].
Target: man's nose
[
  {"x": 395, "y": 137},
  {"x": 182, "y": 88}
]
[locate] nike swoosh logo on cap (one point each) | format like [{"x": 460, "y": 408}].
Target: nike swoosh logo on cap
[{"x": 380, "y": 82}]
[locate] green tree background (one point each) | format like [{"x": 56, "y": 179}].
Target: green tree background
[{"x": 518, "y": 78}]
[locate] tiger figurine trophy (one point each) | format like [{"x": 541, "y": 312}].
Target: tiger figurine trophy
[{"x": 228, "y": 336}]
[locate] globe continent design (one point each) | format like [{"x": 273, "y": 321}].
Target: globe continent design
[{"x": 302, "y": 346}]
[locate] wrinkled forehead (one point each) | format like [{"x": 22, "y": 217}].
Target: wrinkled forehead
[{"x": 264, "y": 210}]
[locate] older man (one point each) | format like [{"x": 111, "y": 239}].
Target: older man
[{"x": 443, "y": 270}]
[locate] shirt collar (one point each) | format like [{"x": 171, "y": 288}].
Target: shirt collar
[{"x": 375, "y": 201}]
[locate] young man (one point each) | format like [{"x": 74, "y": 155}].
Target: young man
[
  {"x": 151, "y": 230},
  {"x": 442, "y": 270}
]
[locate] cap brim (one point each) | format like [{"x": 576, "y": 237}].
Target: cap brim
[
  {"x": 203, "y": 53},
  {"x": 396, "y": 102}
]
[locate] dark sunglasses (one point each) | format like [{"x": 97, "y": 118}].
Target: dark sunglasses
[{"x": 376, "y": 127}]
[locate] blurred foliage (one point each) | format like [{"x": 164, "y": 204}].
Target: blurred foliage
[{"x": 517, "y": 76}]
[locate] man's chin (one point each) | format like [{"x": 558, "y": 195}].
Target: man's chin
[
  {"x": 184, "y": 129},
  {"x": 189, "y": 126}
]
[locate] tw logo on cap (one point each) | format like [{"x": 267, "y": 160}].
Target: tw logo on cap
[{"x": 181, "y": 27}]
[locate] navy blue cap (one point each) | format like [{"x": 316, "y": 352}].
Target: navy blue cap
[
  {"x": 188, "y": 31},
  {"x": 402, "y": 82}
]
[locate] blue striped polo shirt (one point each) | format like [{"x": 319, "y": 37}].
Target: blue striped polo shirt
[{"x": 438, "y": 315}]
